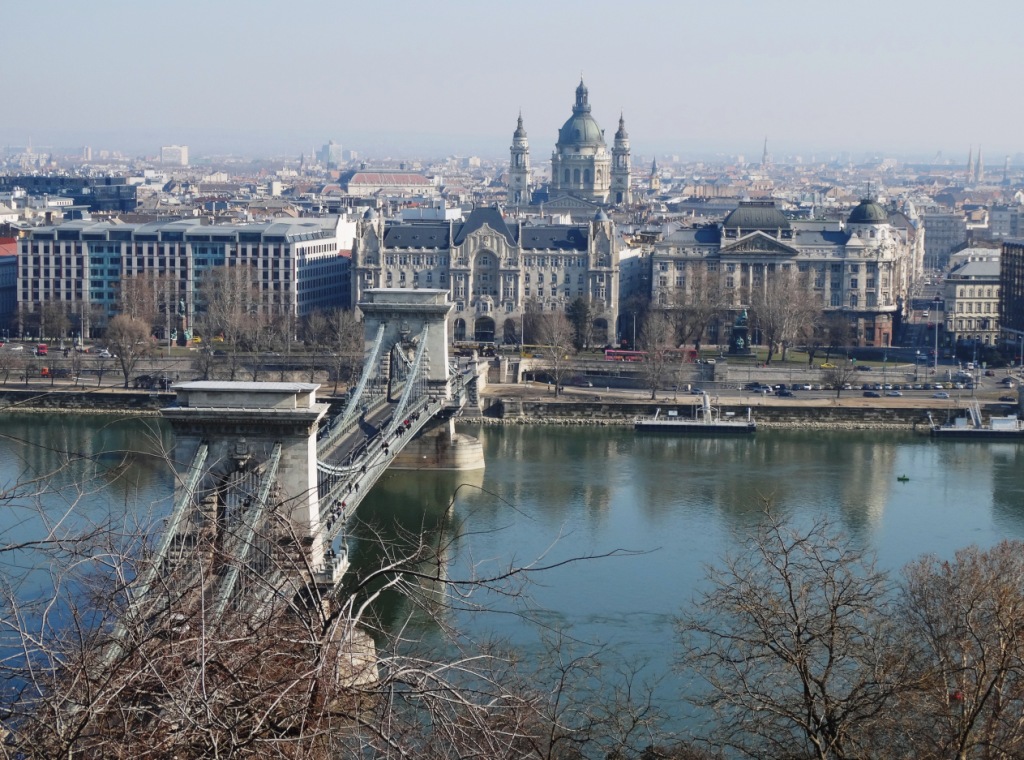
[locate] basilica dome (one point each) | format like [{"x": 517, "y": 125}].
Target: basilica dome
[{"x": 581, "y": 129}]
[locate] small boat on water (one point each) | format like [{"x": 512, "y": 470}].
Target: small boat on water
[
  {"x": 706, "y": 420},
  {"x": 1009, "y": 427}
]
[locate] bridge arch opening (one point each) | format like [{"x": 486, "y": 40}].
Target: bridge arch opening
[{"x": 459, "y": 329}]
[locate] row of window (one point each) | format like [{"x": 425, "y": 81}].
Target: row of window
[{"x": 976, "y": 307}]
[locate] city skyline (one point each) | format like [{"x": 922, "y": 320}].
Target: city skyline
[{"x": 435, "y": 79}]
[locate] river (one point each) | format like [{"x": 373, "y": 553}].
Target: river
[{"x": 662, "y": 507}]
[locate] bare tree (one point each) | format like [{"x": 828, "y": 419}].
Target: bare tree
[
  {"x": 837, "y": 333},
  {"x": 129, "y": 339},
  {"x": 556, "y": 335},
  {"x": 346, "y": 345},
  {"x": 964, "y": 624},
  {"x": 782, "y": 307},
  {"x": 697, "y": 304},
  {"x": 657, "y": 340},
  {"x": 839, "y": 376},
  {"x": 227, "y": 299},
  {"x": 794, "y": 643},
  {"x": 581, "y": 316},
  {"x": 121, "y": 663}
]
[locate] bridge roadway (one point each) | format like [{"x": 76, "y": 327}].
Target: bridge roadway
[{"x": 359, "y": 455}]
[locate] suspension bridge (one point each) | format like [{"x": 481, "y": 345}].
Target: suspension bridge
[{"x": 272, "y": 478}]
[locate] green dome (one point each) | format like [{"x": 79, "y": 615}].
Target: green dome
[
  {"x": 581, "y": 129},
  {"x": 868, "y": 212}
]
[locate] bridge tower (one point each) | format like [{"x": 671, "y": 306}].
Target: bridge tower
[
  {"x": 404, "y": 313},
  {"x": 245, "y": 426}
]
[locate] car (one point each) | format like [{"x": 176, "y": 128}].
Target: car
[
  {"x": 806, "y": 387},
  {"x": 847, "y": 387},
  {"x": 1007, "y": 382},
  {"x": 872, "y": 394},
  {"x": 1009, "y": 399},
  {"x": 894, "y": 393},
  {"x": 17, "y": 348},
  {"x": 826, "y": 365},
  {"x": 696, "y": 391},
  {"x": 104, "y": 354},
  {"x": 990, "y": 373},
  {"x": 940, "y": 394},
  {"x": 862, "y": 368}
]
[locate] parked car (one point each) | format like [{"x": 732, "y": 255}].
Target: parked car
[
  {"x": 826, "y": 365},
  {"x": 1009, "y": 399},
  {"x": 862, "y": 368},
  {"x": 940, "y": 394},
  {"x": 872, "y": 394}
]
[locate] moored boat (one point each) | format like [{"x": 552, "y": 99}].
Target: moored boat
[{"x": 706, "y": 420}]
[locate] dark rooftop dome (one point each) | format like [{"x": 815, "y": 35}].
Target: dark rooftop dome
[
  {"x": 756, "y": 215},
  {"x": 868, "y": 212}
]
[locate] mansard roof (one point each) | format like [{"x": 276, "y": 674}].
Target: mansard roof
[
  {"x": 756, "y": 215},
  {"x": 416, "y": 235},
  {"x": 559, "y": 237}
]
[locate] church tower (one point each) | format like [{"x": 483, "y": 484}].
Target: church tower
[
  {"x": 621, "y": 168},
  {"x": 654, "y": 180},
  {"x": 519, "y": 168}
]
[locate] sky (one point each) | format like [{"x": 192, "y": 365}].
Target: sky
[{"x": 408, "y": 78}]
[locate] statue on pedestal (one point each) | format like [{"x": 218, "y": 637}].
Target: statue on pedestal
[{"x": 739, "y": 341}]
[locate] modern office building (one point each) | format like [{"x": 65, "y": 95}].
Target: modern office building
[
  {"x": 1011, "y": 293},
  {"x": 297, "y": 265},
  {"x": 496, "y": 272},
  {"x": 174, "y": 155},
  {"x": 943, "y": 234},
  {"x": 861, "y": 269},
  {"x": 111, "y": 194}
]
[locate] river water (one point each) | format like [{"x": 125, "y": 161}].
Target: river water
[{"x": 664, "y": 507}]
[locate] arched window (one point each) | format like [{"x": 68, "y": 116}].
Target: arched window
[
  {"x": 576, "y": 176},
  {"x": 567, "y": 176},
  {"x": 586, "y": 176}
]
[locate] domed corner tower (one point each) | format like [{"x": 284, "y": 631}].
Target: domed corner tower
[
  {"x": 581, "y": 164},
  {"x": 519, "y": 168},
  {"x": 621, "y": 167},
  {"x": 869, "y": 221}
]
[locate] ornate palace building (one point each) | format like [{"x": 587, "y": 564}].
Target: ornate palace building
[
  {"x": 861, "y": 268},
  {"x": 582, "y": 168},
  {"x": 495, "y": 271}
]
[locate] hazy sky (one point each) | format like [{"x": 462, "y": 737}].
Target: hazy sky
[{"x": 407, "y": 77}]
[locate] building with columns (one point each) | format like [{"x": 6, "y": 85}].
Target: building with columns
[
  {"x": 861, "y": 268},
  {"x": 582, "y": 168},
  {"x": 496, "y": 272}
]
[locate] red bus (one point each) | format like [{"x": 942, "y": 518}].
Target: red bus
[{"x": 618, "y": 355}]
